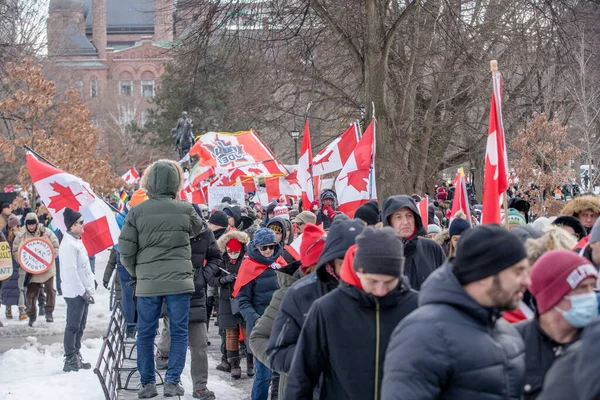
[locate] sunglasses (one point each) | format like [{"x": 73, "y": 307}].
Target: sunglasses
[
  {"x": 31, "y": 222},
  {"x": 79, "y": 222},
  {"x": 267, "y": 247},
  {"x": 276, "y": 228}
]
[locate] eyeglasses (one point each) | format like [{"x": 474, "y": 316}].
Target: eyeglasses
[{"x": 267, "y": 247}]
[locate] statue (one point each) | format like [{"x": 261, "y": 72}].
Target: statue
[{"x": 183, "y": 134}]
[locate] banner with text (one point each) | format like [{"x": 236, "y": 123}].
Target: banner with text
[{"x": 216, "y": 194}]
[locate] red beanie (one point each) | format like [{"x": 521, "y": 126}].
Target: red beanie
[
  {"x": 234, "y": 245},
  {"x": 555, "y": 274},
  {"x": 313, "y": 242}
]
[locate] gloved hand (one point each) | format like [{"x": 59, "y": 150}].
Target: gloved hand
[
  {"x": 86, "y": 296},
  {"x": 105, "y": 284},
  {"x": 329, "y": 212},
  {"x": 227, "y": 279},
  {"x": 210, "y": 301}
]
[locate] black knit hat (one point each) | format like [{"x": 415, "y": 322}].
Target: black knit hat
[
  {"x": 5, "y": 205},
  {"x": 379, "y": 251},
  {"x": 70, "y": 217},
  {"x": 573, "y": 223},
  {"x": 369, "y": 212},
  {"x": 486, "y": 250},
  {"x": 219, "y": 218},
  {"x": 458, "y": 226}
]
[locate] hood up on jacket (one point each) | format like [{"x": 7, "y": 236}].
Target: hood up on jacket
[
  {"x": 284, "y": 225},
  {"x": 329, "y": 193},
  {"x": 163, "y": 178},
  {"x": 395, "y": 203},
  {"x": 341, "y": 236},
  {"x": 581, "y": 203},
  {"x": 239, "y": 235},
  {"x": 442, "y": 287},
  {"x": 29, "y": 216}
]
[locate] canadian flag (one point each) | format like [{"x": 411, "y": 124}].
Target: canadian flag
[
  {"x": 282, "y": 188},
  {"x": 424, "y": 211},
  {"x": 333, "y": 157},
  {"x": 131, "y": 176},
  {"x": 496, "y": 164},
  {"x": 304, "y": 172},
  {"x": 460, "y": 202},
  {"x": 59, "y": 190},
  {"x": 193, "y": 193},
  {"x": 355, "y": 185}
]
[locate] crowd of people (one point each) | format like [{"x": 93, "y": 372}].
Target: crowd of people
[{"x": 386, "y": 305}]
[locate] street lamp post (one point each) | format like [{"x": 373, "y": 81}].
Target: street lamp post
[{"x": 295, "y": 134}]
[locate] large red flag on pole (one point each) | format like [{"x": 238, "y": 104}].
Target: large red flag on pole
[
  {"x": 461, "y": 199},
  {"x": 305, "y": 175},
  {"x": 496, "y": 164}
]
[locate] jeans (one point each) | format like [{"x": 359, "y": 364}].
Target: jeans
[
  {"x": 178, "y": 309},
  {"x": 198, "y": 340},
  {"x": 127, "y": 295},
  {"x": 58, "y": 289},
  {"x": 262, "y": 378},
  {"x": 77, "y": 310}
]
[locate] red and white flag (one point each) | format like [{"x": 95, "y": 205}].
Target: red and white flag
[
  {"x": 424, "y": 211},
  {"x": 355, "y": 185},
  {"x": 131, "y": 176},
  {"x": 460, "y": 202},
  {"x": 333, "y": 157},
  {"x": 304, "y": 171},
  {"x": 59, "y": 190},
  {"x": 282, "y": 188},
  {"x": 495, "y": 181}
]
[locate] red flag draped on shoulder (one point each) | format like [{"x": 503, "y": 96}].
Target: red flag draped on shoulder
[
  {"x": 496, "y": 164},
  {"x": 355, "y": 185},
  {"x": 59, "y": 190},
  {"x": 304, "y": 174}
]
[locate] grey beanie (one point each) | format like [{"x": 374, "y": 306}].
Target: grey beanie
[{"x": 379, "y": 251}]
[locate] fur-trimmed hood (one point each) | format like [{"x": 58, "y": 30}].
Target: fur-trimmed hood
[
  {"x": 582, "y": 203},
  {"x": 163, "y": 178},
  {"x": 443, "y": 237},
  {"x": 239, "y": 235}
]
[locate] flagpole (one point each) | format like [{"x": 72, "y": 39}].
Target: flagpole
[
  {"x": 38, "y": 155},
  {"x": 371, "y": 173},
  {"x": 494, "y": 70},
  {"x": 310, "y": 162}
]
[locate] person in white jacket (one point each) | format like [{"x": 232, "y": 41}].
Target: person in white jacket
[{"x": 77, "y": 287}]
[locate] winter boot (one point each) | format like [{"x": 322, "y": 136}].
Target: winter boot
[
  {"x": 71, "y": 364},
  {"x": 162, "y": 363},
  {"x": 224, "y": 366},
  {"x": 236, "y": 370},
  {"x": 250, "y": 365},
  {"x": 173, "y": 389},
  {"x": 32, "y": 320},
  {"x": 49, "y": 317},
  {"x": 83, "y": 365},
  {"x": 8, "y": 312},
  {"x": 203, "y": 394},
  {"x": 147, "y": 391},
  {"x": 22, "y": 314}
]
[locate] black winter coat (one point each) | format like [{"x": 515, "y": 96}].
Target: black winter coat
[
  {"x": 540, "y": 352},
  {"x": 574, "y": 375},
  {"x": 303, "y": 293},
  {"x": 422, "y": 255},
  {"x": 226, "y": 318},
  {"x": 344, "y": 339},
  {"x": 204, "y": 248},
  {"x": 451, "y": 347}
]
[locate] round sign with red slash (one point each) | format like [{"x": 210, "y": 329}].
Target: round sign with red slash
[{"x": 36, "y": 256}]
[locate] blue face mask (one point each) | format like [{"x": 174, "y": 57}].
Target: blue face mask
[{"x": 584, "y": 308}]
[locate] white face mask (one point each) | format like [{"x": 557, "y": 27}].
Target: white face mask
[{"x": 234, "y": 256}]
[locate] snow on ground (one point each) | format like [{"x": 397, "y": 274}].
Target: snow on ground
[{"x": 34, "y": 371}]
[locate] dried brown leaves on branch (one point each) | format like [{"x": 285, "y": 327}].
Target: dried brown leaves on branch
[
  {"x": 543, "y": 160},
  {"x": 58, "y": 127}
]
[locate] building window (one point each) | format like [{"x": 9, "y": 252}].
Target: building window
[
  {"x": 79, "y": 86},
  {"x": 148, "y": 84},
  {"x": 93, "y": 87},
  {"x": 148, "y": 88},
  {"x": 126, "y": 84}
]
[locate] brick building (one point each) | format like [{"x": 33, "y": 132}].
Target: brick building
[{"x": 115, "y": 52}]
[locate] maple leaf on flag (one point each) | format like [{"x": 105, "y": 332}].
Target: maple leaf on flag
[
  {"x": 256, "y": 171},
  {"x": 324, "y": 159},
  {"x": 65, "y": 198},
  {"x": 359, "y": 179}
]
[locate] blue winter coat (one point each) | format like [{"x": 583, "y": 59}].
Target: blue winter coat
[
  {"x": 451, "y": 347},
  {"x": 254, "y": 297}
]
